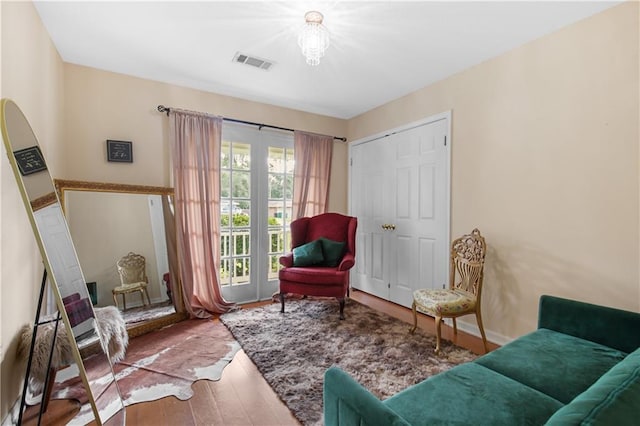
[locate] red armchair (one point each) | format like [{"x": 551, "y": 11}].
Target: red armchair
[{"x": 307, "y": 271}]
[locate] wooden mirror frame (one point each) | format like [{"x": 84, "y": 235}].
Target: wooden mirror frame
[{"x": 63, "y": 185}]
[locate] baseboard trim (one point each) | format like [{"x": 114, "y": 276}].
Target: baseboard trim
[{"x": 473, "y": 329}]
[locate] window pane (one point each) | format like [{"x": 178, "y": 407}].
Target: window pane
[
  {"x": 241, "y": 182},
  {"x": 241, "y": 270},
  {"x": 225, "y": 275},
  {"x": 225, "y": 244},
  {"x": 276, "y": 213},
  {"x": 241, "y": 242},
  {"x": 244, "y": 206},
  {"x": 274, "y": 266},
  {"x": 289, "y": 187},
  {"x": 225, "y": 154},
  {"x": 239, "y": 218},
  {"x": 225, "y": 183},
  {"x": 288, "y": 213},
  {"x": 289, "y": 161},
  {"x": 276, "y": 187},
  {"x": 224, "y": 215},
  {"x": 241, "y": 156},
  {"x": 287, "y": 241},
  {"x": 276, "y": 160}
]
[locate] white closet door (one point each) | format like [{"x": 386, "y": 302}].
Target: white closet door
[
  {"x": 371, "y": 200},
  {"x": 399, "y": 192},
  {"x": 419, "y": 240}
]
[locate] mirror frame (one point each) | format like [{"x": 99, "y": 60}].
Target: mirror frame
[{"x": 63, "y": 185}]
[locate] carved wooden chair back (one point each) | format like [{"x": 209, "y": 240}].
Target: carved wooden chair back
[
  {"x": 132, "y": 269},
  {"x": 467, "y": 262}
]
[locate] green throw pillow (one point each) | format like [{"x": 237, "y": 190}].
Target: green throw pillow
[
  {"x": 308, "y": 254},
  {"x": 332, "y": 251}
]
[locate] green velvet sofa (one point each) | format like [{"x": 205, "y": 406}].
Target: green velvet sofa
[{"x": 580, "y": 367}]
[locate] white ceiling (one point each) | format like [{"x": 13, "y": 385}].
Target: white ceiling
[{"x": 379, "y": 51}]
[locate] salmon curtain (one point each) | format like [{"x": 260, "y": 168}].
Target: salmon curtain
[
  {"x": 312, "y": 155},
  {"x": 195, "y": 147}
]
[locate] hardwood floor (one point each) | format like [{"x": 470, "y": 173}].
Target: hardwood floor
[{"x": 242, "y": 396}]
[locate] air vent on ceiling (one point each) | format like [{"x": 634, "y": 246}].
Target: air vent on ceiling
[{"x": 263, "y": 64}]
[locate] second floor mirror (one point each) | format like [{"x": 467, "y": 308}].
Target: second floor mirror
[{"x": 138, "y": 222}]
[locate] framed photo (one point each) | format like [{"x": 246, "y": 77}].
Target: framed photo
[
  {"x": 120, "y": 151},
  {"x": 30, "y": 160}
]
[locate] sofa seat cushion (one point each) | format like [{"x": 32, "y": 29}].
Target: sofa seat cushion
[
  {"x": 472, "y": 394},
  {"x": 556, "y": 364},
  {"x": 614, "y": 399},
  {"x": 313, "y": 275}
]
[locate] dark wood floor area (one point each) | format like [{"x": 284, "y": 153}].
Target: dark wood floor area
[{"x": 242, "y": 396}]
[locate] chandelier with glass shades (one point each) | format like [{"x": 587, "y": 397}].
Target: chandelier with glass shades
[{"x": 313, "y": 38}]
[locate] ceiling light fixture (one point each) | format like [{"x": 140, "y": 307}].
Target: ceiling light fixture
[{"x": 313, "y": 38}]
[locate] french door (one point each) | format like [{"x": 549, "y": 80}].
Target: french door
[{"x": 256, "y": 190}]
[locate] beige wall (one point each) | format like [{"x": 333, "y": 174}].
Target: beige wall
[
  {"x": 545, "y": 159},
  {"x": 32, "y": 77},
  {"x": 100, "y": 105},
  {"x": 545, "y": 162}
]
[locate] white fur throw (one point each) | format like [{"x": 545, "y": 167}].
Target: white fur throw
[
  {"x": 114, "y": 341},
  {"x": 113, "y": 331}
]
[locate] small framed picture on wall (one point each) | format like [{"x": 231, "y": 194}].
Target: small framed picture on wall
[
  {"x": 119, "y": 151},
  {"x": 30, "y": 160}
]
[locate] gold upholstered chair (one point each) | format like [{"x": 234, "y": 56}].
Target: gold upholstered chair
[
  {"x": 463, "y": 297},
  {"x": 133, "y": 277}
]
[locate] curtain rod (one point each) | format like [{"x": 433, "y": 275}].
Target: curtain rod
[{"x": 162, "y": 108}]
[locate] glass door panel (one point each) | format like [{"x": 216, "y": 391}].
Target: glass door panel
[
  {"x": 256, "y": 190},
  {"x": 235, "y": 214},
  {"x": 280, "y": 181}
]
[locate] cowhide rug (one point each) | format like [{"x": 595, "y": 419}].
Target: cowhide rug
[
  {"x": 162, "y": 363},
  {"x": 294, "y": 349}
]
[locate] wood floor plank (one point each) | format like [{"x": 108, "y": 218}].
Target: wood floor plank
[
  {"x": 270, "y": 400},
  {"x": 230, "y": 403},
  {"x": 175, "y": 412},
  {"x": 257, "y": 409},
  {"x": 203, "y": 405},
  {"x": 242, "y": 397}
]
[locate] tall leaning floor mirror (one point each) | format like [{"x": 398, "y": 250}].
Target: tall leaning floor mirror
[
  {"x": 133, "y": 219},
  {"x": 60, "y": 260}
]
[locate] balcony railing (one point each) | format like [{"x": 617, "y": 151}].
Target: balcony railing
[{"x": 235, "y": 255}]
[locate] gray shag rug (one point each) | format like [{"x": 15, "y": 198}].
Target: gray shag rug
[{"x": 294, "y": 349}]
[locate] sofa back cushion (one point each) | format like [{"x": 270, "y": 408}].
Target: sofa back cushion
[
  {"x": 612, "y": 400},
  {"x": 553, "y": 363},
  {"x": 615, "y": 328}
]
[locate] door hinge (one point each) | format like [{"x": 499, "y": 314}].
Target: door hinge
[
  {"x": 445, "y": 140},
  {"x": 351, "y": 161},
  {"x": 388, "y": 285},
  {"x": 443, "y": 286}
]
